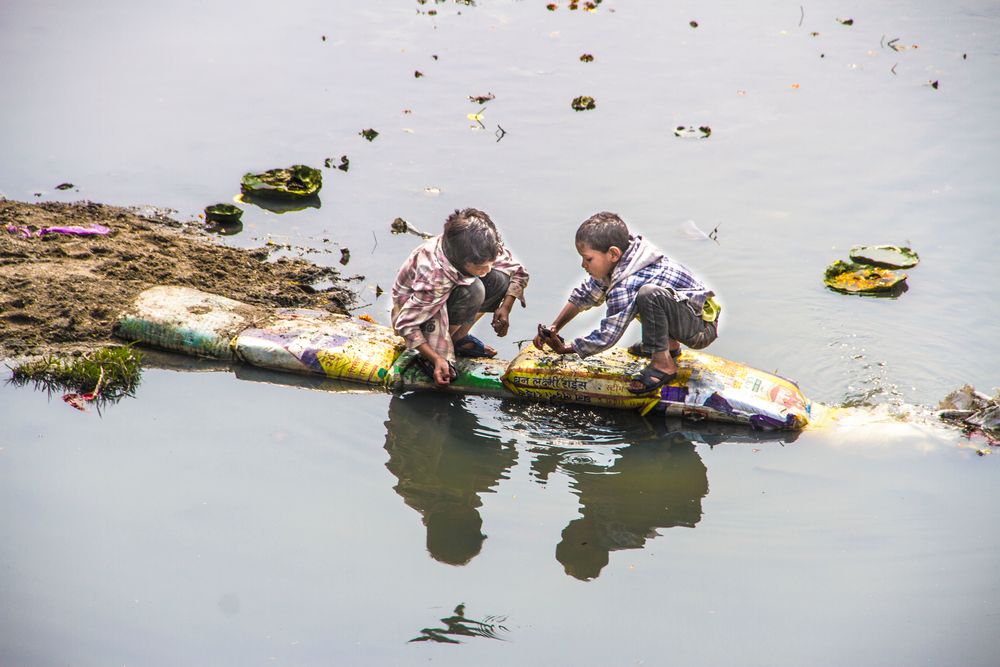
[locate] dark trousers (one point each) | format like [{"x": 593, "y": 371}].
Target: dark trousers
[
  {"x": 664, "y": 317},
  {"x": 482, "y": 296}
]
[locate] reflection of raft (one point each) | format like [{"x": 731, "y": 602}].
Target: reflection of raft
[{"x": 346, "y": 348}]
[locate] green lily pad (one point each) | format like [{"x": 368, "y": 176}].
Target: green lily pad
[
  {"x": 853, "y": 278},
  {"x": 890, "y": 256},
  {"x": 296, "y": 182},
  {"x": 223, "y": 213}
]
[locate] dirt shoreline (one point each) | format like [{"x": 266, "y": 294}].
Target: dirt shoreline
[{"x": 63, "y": 293}]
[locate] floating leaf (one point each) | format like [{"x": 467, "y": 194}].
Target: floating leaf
[
  {"x": 482, "y": 99},
  {"x": 551, "y": 6},
  {"x": 587, "y": 58},
  {"x": 693, "y": 24},
  {"x": 225, "y": 214},
  {"x": 417, "y": 74},
  {"x": 64, "y": 186},
  {"x": 345, "y": 256},
  {"x": 703, "y": 132},
  {"x": 845, "y": 21},
  {"x": 295, "y": 182},
  {"x": 584, "y": 103},
  {"x": 934, "y": 84},
  {"x": 369, "y": 134},
  {"x": 889, "y": 256},
  {"x": 852, "y": 278},
  {"x": 399, "y": 226}
]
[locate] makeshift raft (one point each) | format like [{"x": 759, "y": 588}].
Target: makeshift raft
[{"x": 349, "y": 348}]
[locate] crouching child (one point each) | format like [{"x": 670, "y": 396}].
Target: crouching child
[
  {"x": 447, "y": 284},
  {"x": 635, "y": 280}
]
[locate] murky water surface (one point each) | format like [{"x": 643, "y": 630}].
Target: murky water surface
[{"x": 232, "y": 516}]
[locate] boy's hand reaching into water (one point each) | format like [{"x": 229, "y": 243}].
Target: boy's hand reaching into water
[
  {"x": 443, "y": 372},
  {"x": 547, "y": 336}
]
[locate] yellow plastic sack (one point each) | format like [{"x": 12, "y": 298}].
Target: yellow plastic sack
[
  {"x": 598, "y": 380},
  {"x": 308, "y": 341}
]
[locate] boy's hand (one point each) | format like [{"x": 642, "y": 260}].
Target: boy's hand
[
  {"x": 547, "y": 336},
  {"x": 442, "y": 372},
  {"x": 501, "y": 320}
]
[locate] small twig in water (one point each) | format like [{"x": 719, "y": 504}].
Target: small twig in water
[
  {"x": 500, "y": 133},
  {"x": 376, "y": 242},
  {"x": 893, "y": 70},
  {"x": 714, "y": 234},
  {"x": 802, "y": 18}
]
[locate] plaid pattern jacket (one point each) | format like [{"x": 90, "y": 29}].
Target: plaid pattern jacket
[
  {"x": 420, "y": 294},
  {"x": 642, "y": 264}
]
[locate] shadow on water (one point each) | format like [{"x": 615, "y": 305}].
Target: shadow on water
[
  {"x": 458, "y": 625},
  {"x": 444, "y": 461}
]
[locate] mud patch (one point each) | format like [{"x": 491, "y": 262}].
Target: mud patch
[{"x": 64, "y": 292}]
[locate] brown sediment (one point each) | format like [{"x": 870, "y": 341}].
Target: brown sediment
[{"x": 60, "y": 292}]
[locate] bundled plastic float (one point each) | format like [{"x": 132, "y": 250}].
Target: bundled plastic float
[{"x": 347, "y": 348}]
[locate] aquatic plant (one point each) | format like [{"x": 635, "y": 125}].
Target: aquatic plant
[
  {"x": 295, "y": 182},
  {"x": 109, "y": 373}
]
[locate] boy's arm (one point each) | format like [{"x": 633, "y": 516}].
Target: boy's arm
[{"x": 568, "y": 312}]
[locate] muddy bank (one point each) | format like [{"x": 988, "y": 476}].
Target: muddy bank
[{"x": 61, "y": 292}]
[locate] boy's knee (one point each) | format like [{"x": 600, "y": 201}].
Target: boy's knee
[
  {"x": 648, "y": 293},
  {"x": 465, "y": 301}
]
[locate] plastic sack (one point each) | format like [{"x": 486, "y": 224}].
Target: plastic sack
[
  {"x": 598, "y": 380},
  {"x": 186, "y": 320},
  {"x": 310, "y": 341},
  {"x": 480, "y": 376}
]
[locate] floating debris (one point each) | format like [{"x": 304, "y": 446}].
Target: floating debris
[
  {"x": 344, "y": 165},
  {"x": 888, "y": 256},
  {"x": 369, "y": 134},
  {"x": 345, "y": 256},
  {"x": 295, "y": 182},
  {"x": 934, "y": 84},
  {"x": 225, "y": 214},
  {"x": 703, "y": 132},
  {"x": 64, "y": 186},
  {"x": 400, "y": 226},
  {"x": 417, "y": 74},
  {"x": 482, "y": 99},
  {"x": 583, "y": 103},
  {"x": 552, "y": 6},
  {"x": 974, "y": 411},
  {"x": 851, "y": 278},
  {"x": 378, "y": 292},
  {"x": 693, "y": 24},
  {"x": 432, "y": 191},
  {"x": 477, "y": 117},
  {"x": 586, "y": 58},
  {"x": 845, "y": 21}
]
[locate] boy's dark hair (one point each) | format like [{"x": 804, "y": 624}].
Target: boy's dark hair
[
  {"x": 470, "y": 237},
  {"x": 603, "y": 230}
]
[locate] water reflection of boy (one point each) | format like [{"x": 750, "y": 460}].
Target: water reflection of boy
[
  {"x": 653, "y": 485},
  {"x": 443, "y": 465}
]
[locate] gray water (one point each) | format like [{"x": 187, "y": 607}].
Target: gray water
[{"x": 232, "y": 516}]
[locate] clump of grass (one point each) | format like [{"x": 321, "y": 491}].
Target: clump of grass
[{"x": 110, "y": 372}]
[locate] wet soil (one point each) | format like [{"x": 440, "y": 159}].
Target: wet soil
[{"x": 63, "y": 293}]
